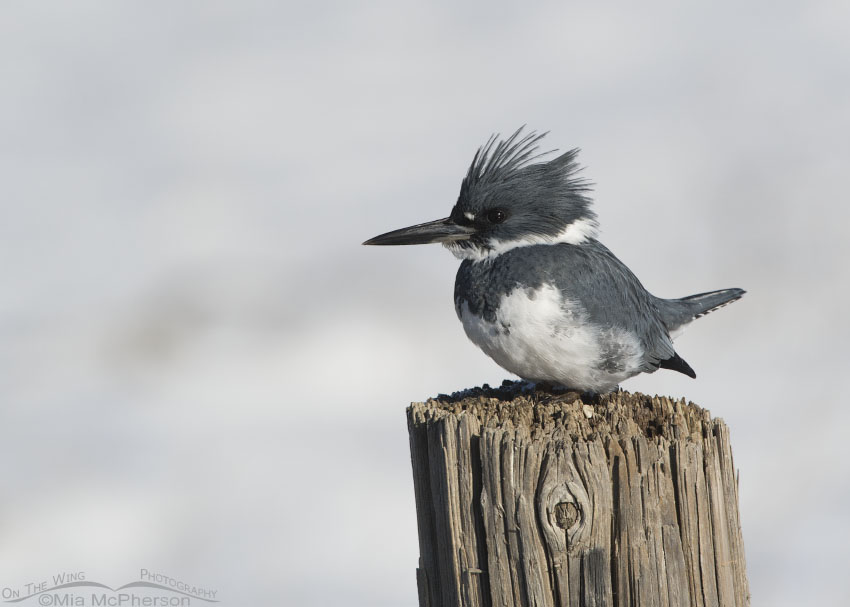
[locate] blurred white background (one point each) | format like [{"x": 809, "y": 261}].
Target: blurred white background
[{"x": 203, "y": 373}]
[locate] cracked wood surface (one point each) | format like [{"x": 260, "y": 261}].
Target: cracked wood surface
[{"x": 540, "y": 499}]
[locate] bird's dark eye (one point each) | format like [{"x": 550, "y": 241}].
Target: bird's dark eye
[{"x": 496, "y": 215}]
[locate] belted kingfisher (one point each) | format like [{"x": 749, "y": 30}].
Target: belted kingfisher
[{"x": 536, "y": 290}]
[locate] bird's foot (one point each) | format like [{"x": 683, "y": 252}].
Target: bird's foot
[
  {"x": 555, "y": 389},
  {"x": 527, "y": 387}
]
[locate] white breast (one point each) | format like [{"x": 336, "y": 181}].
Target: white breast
[{"x": 540, "y": 336}]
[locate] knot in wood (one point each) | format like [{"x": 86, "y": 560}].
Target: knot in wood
[{"x": 566, "y": 514}]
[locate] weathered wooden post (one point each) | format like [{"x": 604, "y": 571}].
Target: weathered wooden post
[{"x": 541, "y": 499}]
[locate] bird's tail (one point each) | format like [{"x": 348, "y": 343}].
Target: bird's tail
[{"x": 676, "y": 313}]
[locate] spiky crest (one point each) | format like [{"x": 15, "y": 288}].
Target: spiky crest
[{"x": 499, "y": 159}]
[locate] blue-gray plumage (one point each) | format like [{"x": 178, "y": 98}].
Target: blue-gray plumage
[{"x": 536, "y": 291}]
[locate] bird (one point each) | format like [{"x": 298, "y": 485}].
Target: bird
[{"x": 536, "y": 290}]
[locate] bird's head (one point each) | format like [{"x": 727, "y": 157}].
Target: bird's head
[{"x": 510, "y": 198}]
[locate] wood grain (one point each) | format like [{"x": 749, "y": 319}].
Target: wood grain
[{"x": 541, "y": 499}]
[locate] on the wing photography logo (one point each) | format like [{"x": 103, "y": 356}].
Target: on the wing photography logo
[{"x": 73, "y": 589}]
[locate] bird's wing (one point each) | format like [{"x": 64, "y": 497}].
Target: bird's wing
[{"x": 612, "y": 296}]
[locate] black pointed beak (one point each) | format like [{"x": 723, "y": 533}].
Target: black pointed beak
[{"x": 442, "y": 230}]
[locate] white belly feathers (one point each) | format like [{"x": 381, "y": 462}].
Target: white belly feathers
[{"x": 540, "y": 336}]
